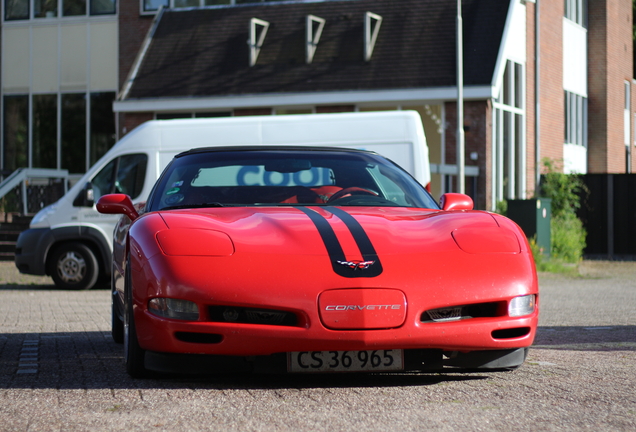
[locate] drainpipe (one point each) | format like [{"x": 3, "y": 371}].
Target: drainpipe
[
  {"x": 537, "y": 101},
  {"x": 461, "y": 188}
]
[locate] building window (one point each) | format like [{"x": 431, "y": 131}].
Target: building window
[
  {"x": 16, "y": 9},
  {"x": 73, "y": 131},
  {"x": 575, "y": 119},
  {"x": 509, "y": 159},
  {"x": 576, "y": 10},
  {"x": 59, "y": 141},
  {"x": 16, "y": 132},
  {"x": 627, "y": 115},
  {"x": 153, "y": 5},
  {"x": 20, "y": 9},
  {"x": 103, "y": 7},
  {"x": 44, "y": 127},
  {"x": 102, "y": 122},
  {"x": 44, "y": 8},
  {"x": 149, "y": 6},
  {"x": 73, "y": 7}
]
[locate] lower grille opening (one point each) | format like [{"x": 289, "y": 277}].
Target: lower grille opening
[
  {"x": 511, "y": 333},
  {"x": 203, "y": 338},
  {"x": 456, "y": 313},
  {"x": 231, "y": 314}
]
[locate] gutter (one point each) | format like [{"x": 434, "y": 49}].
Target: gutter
[{"x": 132, "y": 75}]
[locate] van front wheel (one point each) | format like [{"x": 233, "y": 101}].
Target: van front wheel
[{"x": 74, "y": 266}]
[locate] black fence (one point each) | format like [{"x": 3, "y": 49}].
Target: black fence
[
  {"x": 608, "y": 212},
  {"x": 39, "y": 194}
]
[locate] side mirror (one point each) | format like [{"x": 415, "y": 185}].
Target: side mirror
[
  {"x": 86, "y": 197},
  {"x": 456, "y": 201},
  {"x": 117, "y": 204}
]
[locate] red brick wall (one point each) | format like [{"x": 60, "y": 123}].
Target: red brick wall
[
  {"x": 552, "y": 109},
  {"x": 477, "y": 139},
  {"x": 129, "y": 121},
  {"x": 133, "y": 28},
  {"x": 610, "y": 52},
  {"x": 530, "y": 101}
]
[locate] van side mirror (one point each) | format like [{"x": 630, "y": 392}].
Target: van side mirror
[
  {"x": 456, "y": 201},
  {"x": 117, "y": 204},
  {"x": 86, "y": 197}
]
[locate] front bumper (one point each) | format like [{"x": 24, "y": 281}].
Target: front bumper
[
  {"x": 174, "y": 336},
  {"x": 414, "y": 360},
  {"x": 31, "y": 249}
]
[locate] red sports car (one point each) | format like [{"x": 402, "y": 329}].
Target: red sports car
[{"x": 306, "y": 259}]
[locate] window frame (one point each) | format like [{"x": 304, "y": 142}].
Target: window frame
[
  {"x": 202, "y": 3},
  {"x": 576, "y": 11},
  {"x": 576, "y": 112},
  {"x": 59, "y": 12}
]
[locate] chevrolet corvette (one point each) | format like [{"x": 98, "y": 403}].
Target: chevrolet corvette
[{"x": 311, "y": 260}]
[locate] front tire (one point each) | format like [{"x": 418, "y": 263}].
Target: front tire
[
  {"x": 73, "y": 266},
  {"x": 134, "y": 355},
  {"x": 116, "y": 323}
]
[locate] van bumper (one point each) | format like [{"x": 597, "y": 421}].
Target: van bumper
[{"x": 31, "y": 250}]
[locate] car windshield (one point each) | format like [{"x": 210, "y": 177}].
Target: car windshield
[{"x": 285, "y": 177}]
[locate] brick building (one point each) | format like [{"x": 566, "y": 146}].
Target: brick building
[{"x": 245, "y": 57}]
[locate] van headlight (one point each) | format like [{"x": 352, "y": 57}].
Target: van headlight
[
  {"x": 524, "y": 305},
  {"x": 43, "y": 214}
]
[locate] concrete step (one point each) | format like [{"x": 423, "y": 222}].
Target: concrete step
[{"x": 9, "y": 232}]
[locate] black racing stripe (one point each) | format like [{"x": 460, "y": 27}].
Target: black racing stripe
[
  {"x": 334, "y": 249},
  {"x": 329, "y": 238},
  {"x": 362, "y": 240}
]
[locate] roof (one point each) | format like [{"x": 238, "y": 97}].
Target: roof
[{"x": 204, "y": 51}]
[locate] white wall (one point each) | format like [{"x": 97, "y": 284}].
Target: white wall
[
  {"x": 66, "y": 57},
  {"x": 574, "y": 159},
  {"x": 574, "y": 58}
]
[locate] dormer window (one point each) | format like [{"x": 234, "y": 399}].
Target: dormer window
[
  {"x": 258, "y": 31},
  {"x": 314, "y": 26},
  {"x": 372, "y": 23}
]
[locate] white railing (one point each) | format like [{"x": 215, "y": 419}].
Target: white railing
[{"x": 22, "y": 177}]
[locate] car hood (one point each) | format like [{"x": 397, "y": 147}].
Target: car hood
[{"x": 355, "y": 232}]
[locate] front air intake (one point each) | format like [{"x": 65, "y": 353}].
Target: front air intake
[
  {"x": 456, "y": 313},
  {"x": 241, "y": 315},
  {"x": 512, "y": 333},
  {"x": 202, "y": 338}
]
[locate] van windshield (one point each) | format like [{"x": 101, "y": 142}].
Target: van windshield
[
  {"x": 124, "y": 174},
  {"x": 286, "y": 177}
]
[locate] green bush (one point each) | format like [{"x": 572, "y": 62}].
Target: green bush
[
  {"x": 568, "y": 238},
  {"x": 567, "y": 235}
]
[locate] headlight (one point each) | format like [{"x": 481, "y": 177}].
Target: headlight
[
  {"x": 486, "y": 240},
  {"x": 524, "y": 305},
  {"x": 195, "y": 242},
  {"x": 43, "y": 214},
  {"x": 173, "y": 308}
]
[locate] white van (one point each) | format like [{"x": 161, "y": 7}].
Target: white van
[{"x": 70, "y": 241}]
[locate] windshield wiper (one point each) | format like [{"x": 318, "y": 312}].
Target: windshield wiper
[{"x": 186, "y": 206}]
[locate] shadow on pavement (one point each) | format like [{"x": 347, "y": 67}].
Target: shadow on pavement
[
  {"x": 587, "y": 338},
  {"x": 46, "y": 287},
  {"x": 91, "y": 360}
]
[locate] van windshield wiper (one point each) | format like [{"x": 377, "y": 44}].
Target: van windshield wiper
[{"x": 186, "y": 206}]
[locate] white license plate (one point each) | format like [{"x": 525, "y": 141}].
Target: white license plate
[{"x": 345, "y": 361}]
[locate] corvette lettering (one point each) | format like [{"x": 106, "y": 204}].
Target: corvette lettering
[{"x": 362, "y": 307}]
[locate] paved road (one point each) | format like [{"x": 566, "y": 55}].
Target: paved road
[{"x": 59, "y": 370}]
